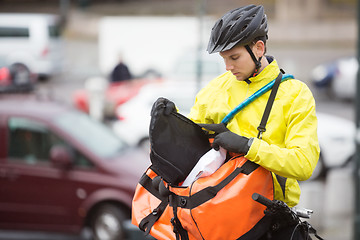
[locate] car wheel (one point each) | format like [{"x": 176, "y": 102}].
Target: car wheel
[
  {"x": 320, "y": 169},
  {"x": 20, "y": 74},
  {"x": 107, "y": 223}
]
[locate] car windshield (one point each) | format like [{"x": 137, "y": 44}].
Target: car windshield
[
  {"x": 54, "y": 31},
  {"x": 94, "y": 135}
]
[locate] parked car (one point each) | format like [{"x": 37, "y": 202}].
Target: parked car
[
  {"x": 337, "y": 78},
  {"x": 115, "y": 95},
  {"x": 134, "y": 115},
  {"x": 337, "y": 143},
  {"x": 33, "y": 40},
  {"x": 62, "y": 171},
  {"x": 336, "y": 134}
]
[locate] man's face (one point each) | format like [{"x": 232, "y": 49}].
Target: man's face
[{"x": 239, "y": 62}]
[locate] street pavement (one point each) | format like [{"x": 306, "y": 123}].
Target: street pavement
[{"x": 332, "y": 200}]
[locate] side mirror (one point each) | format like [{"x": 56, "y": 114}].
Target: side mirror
[{"x": 61, "y": 156}]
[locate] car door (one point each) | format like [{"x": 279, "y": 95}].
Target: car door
[{"x": 34, "y": 194}]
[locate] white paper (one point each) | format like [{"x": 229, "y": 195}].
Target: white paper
[{"x": 207, "y": 165}]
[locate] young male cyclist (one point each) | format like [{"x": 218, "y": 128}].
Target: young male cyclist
[{"x": 289, "y": 146}]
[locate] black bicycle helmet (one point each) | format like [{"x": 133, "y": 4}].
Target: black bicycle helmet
[{"x": 238, "y": 26}]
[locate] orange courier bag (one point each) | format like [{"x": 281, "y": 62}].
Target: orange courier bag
[{"x": 219, "y": 206}]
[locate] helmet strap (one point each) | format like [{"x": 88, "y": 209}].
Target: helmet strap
[{"x": 256, "y": 61}]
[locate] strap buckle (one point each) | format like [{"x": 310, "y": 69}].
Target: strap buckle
[{"x": 261, "y": 131}]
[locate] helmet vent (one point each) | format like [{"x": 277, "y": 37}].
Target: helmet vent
[{"x": 244, "y": 27}]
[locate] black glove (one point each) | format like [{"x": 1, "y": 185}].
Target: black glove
[
  {"x": 227, "y": 139},
  {"x": 231, "y": 142},
  {"x": 162, "y": 106}
]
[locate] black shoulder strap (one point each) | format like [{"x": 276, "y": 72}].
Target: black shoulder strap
[{"x": 261, "y": 128}]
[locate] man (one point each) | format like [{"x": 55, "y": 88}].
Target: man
[
  {"x": 289, "y": 147},
  {"x": 120, "y": 72}
]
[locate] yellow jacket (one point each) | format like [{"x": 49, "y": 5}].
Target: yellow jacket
[{"x": 289, "y": 147}]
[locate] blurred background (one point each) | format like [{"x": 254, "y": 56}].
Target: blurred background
[{"x": 111, "y": 59}]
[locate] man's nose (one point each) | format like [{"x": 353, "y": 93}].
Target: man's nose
[{"x": 229, "y": 66}]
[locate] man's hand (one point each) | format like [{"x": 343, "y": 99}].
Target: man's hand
[
  {"x": 228, "y": 140},
  {"x": 231, "y": 142}
]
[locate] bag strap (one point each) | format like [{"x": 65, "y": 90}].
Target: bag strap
[
  {"x": 146, "y": 223},
  {"x": 180, "y": 232},
  {"x": 261, "y": 128},
  {"x": 147, "y": 183},
  {"x": 190, "y": 202}
]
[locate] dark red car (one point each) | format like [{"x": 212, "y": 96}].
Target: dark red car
[{"x": 61, "y": 171}]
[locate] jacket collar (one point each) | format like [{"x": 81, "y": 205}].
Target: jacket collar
[{"x": 269, "y": 73}]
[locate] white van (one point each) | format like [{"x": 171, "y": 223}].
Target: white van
[{"x": 33, "y": 40}]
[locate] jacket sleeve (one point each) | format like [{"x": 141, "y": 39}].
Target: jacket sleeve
[{"x": 300, "y": 153}]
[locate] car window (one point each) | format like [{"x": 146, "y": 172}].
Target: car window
[
  {"x": 14, "y": 32},
  {"x": 95, "y": 136},
  {"x": 54, "y": 31},
  {"x": 30, "y": 142}
]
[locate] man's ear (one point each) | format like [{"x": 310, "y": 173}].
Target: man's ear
[{"x": 259, "y": 48}]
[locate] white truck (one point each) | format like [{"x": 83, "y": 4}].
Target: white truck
[
  {"x": 149, "y": 44},
  {"x": 33, "y": 40}
]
